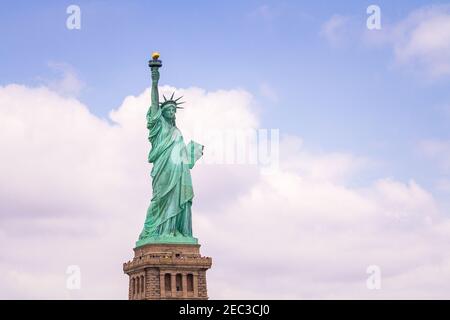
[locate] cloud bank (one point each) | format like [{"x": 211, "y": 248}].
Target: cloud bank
[{"x": 74, "y": 190}]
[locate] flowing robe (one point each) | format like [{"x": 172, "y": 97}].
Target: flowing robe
[{"x": 169, "y": 213}]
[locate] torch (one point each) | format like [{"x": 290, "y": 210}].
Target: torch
[{"x": 155, "y": 63}]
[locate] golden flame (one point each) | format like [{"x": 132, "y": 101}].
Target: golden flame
[{"x": 155, "y": 55}]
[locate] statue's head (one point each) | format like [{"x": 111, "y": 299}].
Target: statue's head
[
  {"x": 169, "y": 108},
  {"x": 169, "y": 111}
]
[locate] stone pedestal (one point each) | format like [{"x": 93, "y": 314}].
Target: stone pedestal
[{"x": 167, "y": 271}]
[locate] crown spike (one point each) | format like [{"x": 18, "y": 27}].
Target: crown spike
[
  {"x": 165, "y": 99},
  {"x": 178, "y": 98},
  {"x": 172, "y": 95}
]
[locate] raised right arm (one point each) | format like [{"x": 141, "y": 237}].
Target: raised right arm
[{"x": 155, "y": 95}]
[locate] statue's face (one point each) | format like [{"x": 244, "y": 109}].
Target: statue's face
[{"x": 169, "y": 112}]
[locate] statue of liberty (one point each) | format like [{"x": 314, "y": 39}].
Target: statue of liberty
[{"x": 168, "y": 217}]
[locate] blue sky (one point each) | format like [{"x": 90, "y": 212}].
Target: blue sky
[{"x": 345, "y": 98}]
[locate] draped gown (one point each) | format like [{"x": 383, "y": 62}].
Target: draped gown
[{"x": 169, "y": 213}]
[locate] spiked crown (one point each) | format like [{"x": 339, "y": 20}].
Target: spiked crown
[{"x": 171, "y": 102}]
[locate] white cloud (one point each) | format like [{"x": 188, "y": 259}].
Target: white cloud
[
  {"x": 75, "y": 188},
  {"x": 65, "y": 81},
  {"x": 420, "y": 42},
  {"x": 314, "y": 239},
  {"x": 423, "y": 39},
  {"x": 336, "y": 29},
  {"x": 330, "y": 166}
]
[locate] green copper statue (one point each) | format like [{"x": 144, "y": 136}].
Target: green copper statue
[{"x": 169, "y": 214}]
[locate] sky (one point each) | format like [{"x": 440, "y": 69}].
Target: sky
[{"x": 363, "y": 168}]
